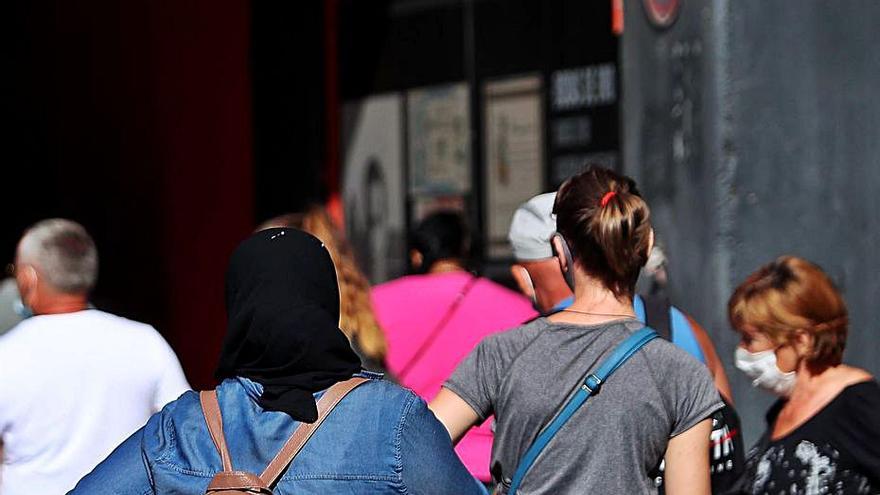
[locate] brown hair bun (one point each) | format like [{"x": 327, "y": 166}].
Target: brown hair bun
[{"x": 607, "y": 226}]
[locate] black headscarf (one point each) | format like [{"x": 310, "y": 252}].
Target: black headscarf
[{"x": 282, "y": 303}]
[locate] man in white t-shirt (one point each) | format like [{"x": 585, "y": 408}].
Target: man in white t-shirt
[{"x": 74, "y": 381}]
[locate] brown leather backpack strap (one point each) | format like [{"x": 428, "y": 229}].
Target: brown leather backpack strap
[
  {"x": 304, "y": 431},
  {"x": 211, "y": 410}
]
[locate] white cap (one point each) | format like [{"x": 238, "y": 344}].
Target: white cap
[{"x": 531, "y": 228}]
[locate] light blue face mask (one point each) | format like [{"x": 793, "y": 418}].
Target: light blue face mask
[{"x": 23, "y": 311}]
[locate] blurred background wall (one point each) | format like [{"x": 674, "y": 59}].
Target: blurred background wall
[
  {"x": 752, "y": 128},
  {"x": 171, "y": 129}
]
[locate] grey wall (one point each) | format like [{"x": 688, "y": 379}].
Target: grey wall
[{"x": 752, "y": 128}]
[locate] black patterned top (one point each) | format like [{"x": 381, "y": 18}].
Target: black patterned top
[{"x": 836, "y": 452}]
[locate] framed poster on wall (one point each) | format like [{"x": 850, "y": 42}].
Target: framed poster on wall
[
  {"x": 513, "y": 151},
  {"x": 439, "y": 148}
]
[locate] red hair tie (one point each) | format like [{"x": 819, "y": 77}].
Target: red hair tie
[{"x": 607, "y": 198}]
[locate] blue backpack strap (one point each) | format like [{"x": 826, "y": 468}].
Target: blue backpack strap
[{"x": 621, "y": 353}]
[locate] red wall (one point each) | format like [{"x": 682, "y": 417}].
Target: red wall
[
  {"x": 134, "y": 118},
  {"x": 202, "y": 105}
]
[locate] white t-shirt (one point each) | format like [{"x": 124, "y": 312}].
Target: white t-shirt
[{"x": 73, "y": 386}]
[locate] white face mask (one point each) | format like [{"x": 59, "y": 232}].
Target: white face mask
[
  {"x": 762, "y": 369},
  {"x": 23, "y": 311}
]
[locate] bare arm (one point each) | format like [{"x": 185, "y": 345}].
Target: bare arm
[
  {"x": 427, "y": 462},
  {"x": 455, "y": 414},
  {"x": 712, "y": 360},
  {"x": 687, "y": 465}
]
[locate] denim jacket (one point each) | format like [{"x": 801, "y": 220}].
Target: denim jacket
[{"x": 380, "y": 439}]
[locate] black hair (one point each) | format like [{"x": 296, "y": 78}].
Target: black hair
[{"x": 440, "y": 236}]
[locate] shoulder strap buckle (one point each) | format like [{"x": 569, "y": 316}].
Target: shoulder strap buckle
[
  {"x": 591, "y": 384},
  {"x": 618, "y": 356}
]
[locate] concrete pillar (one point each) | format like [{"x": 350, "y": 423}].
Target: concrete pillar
[{"x": 752, "y": 128}]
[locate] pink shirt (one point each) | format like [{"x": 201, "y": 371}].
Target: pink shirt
[{"x": 410, "y": 310}]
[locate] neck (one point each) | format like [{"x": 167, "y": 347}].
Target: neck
[
  {"x": 551, "y": 298},
  {"x": 62, "y": 303},
  {"x": 446, "y": 266},
  {"x": 808, "y": 379},
  {"x": 547, "y": 282},
  {"x": 594, "y": 304},
  {"x": 608, "y": 305},
  {"x": 591, "y": 296}
]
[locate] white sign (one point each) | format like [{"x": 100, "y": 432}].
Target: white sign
[
  {"x": 514, "y": 153},
  {"x": 372, "y": 184},
  {"x": 584, "y": 87},
  {"x": 439, "y": 140}
]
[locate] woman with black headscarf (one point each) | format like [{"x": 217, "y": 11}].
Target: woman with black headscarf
[{"x": 283, "y": 348}]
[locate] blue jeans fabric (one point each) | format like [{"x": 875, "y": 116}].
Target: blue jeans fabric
[{"x": 380, "y": 439}]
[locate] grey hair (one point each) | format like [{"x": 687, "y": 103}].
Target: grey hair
[{"x": 62, "y": 252}]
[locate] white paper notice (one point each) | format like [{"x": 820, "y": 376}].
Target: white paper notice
[
  {"x": 514, "y": 153},
  {"x": 439, "y": 140}
]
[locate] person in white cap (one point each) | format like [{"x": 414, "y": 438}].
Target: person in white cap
[{"x": 536, "y": 270}]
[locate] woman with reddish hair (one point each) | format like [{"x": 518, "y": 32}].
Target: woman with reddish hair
[{"x": 823, "y": 434}]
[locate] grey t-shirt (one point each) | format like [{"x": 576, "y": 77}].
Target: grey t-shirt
[{"x": 616, "y": 438}]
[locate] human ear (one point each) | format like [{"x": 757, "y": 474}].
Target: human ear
[
  {"x": 650, "y": 242},
  {"x": 416, "y": 259},
  {"x": 803, "y": 343},
  {"x": 26, "y": 278},
  {"x": 558, "y": 250}
]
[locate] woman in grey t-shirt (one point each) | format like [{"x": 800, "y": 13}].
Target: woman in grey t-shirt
[{"x": 655, "y": 406}]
